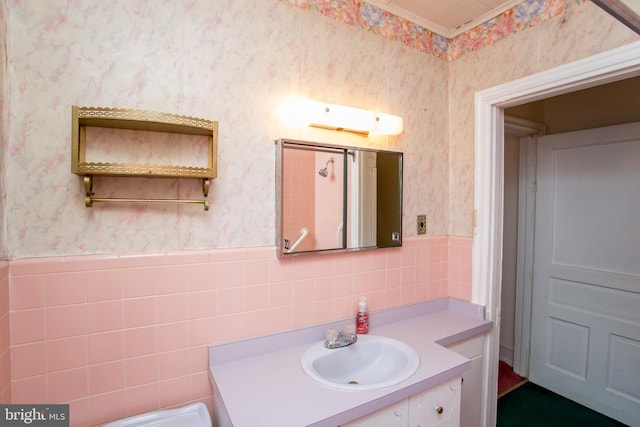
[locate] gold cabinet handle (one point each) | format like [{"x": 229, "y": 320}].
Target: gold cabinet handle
[{"x": 439, "y": 410}]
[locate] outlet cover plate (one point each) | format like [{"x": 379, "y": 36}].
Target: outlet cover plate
[{"x": 422, "y": 224}]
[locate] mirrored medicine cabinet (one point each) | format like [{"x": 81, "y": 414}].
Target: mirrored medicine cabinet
[{"x": 332, "y": 198}]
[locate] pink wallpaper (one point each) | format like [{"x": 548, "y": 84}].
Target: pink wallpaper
[
  {"x": 117, "y": 335},
  {"x": 218, "y": 60},
  {"x": 578, "y": 33},
  {"x": 359, "y": 13}
]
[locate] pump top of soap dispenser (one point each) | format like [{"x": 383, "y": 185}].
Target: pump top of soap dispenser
[{"x": 362, "y": 305}]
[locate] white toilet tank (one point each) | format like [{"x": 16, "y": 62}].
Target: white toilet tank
[{"x": 195, "y": 415}]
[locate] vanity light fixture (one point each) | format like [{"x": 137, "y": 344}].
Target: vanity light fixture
[{"x": 342, "y": 118}]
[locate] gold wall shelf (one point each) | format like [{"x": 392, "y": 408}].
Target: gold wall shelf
[{"x": 83, "y": 117}]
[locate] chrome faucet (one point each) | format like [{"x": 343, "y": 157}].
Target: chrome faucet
[{"x": 336, "y": 338}]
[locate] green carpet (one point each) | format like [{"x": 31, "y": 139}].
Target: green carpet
[{"x": 533, "y": 406}]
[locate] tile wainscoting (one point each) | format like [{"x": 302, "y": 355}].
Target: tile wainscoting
[{"x": 117, "y": 335}]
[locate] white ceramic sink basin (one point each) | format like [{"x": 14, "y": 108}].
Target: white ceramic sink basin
[{"x": 371, "y": 363}]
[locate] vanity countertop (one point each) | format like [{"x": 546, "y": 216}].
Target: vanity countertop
[{"x": 259, "y": 382}]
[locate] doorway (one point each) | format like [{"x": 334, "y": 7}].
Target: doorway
[{"x": 614, "y": 65}]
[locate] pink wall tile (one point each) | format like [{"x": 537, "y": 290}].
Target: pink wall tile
[
  {"x": 257, "y": 322},
  {"x": 5, "y": 336},
  {"x": 280, "y": 294},
  {"x": 141, "y": 260},
  {"x": 139, "y": 282},
  {"x": 201, "y": 304},
  {"x": 203, "y": 331},
  {"x": 27, "y": 292},
  {"x": 302, "y": 291},
  {"x": 231, "y": 274},
  {"x": 104, "y": 316},
  {"x": 67, "y": 385},
  {"x": 140, "y": 312},
  {"x": 171, "y": 279},
  {"x": 234, "y": 254},
  {"x": 200, "y": 386},
  {"x": 21, "y": 267},
  {"x": 91, "y": 262},
  {"x": 29, "y": 390},
  {"x": 256, "y": 271},
  {"x": 198, "y": 359},
  {"x": 28, "y": 360},
  {"x": 187, "y": 257},
  {"x": 107, "y": 407},
  {"x": 106, "y": 377},
  {"x": 140, "y": 341},
  {"x": 103, "y": 285},
  {"x": 79, "y": 415},
  {"x": 280, "y": 271},
  {"x": 65, "y": 288},
  {"x": 174, "y": 391},
  {"x": 230, "y": 300},
  {"x": 142, "y": 399},
  {"x": 280, "y": 319},
  {"x": 323, "y": 266},
  {"x": 342, "y": 265},
  {"x": 203, "y": 277},
  {"x": 67, "y": 353},
  {"x": 66, "y": 321},
  {"x": 303, "y": 267},
  {"x": 173, "y": 336},
  {"x": 173, "y": 364},
  {"x": 302, "y": 315},
  {"x": 4, "y": 298},
  {"x": 27, "y": 326},
  {"x": 141, "y": 370},
  {"x": 105, "y": 347},
  {"x": 173, "y": 308},
  {"x": 231, "y": 327}
]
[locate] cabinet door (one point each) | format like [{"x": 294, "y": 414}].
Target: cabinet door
[
  {"x": 471, "y": 401},
  {"x": 439, "y": 406},
  {"x": 392, "y": 416}
]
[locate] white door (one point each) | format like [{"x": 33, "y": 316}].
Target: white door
[{"x": 586, "y": 293}]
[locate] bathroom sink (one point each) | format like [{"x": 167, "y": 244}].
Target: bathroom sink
[{"x": 371, "y": 363}]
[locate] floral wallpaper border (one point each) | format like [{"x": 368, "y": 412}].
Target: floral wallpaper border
[{"x": 371, "y": 18}]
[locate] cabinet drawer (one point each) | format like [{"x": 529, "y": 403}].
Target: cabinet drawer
[{"x": 439, "y": 406}]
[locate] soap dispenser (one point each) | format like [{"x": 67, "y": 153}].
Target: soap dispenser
[{"x": 362, "y": 318}]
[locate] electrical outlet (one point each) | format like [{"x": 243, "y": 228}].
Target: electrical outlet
[{"x": 422, "y": 224}]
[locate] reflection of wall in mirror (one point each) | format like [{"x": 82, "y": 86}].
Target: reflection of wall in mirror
[
  {"x": 389, "y": 197},
  {"x": 298, "y": 193},
  {"x": 329, "y": 201}
]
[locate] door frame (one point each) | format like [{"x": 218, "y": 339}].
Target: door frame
[
  {"x": 617, "y": 64},
  {"x": 528, "y": 131}
]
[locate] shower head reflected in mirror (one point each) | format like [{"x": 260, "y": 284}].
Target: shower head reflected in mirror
[{"x": 323, "y": 172}]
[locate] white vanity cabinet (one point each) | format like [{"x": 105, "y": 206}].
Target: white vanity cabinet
[
  {"x": 471, "y": 401},
  {"x": 438, "y": 406}
]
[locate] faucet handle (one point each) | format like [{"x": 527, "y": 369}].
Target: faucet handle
[
  {"x": 350, "y": 329},
  {"x": 332, "y": 334}
]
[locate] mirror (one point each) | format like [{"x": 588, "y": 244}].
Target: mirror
[{"x": 331, "y": 198}]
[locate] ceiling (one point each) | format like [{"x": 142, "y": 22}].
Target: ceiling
[{"x": 446, "y": 17}]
